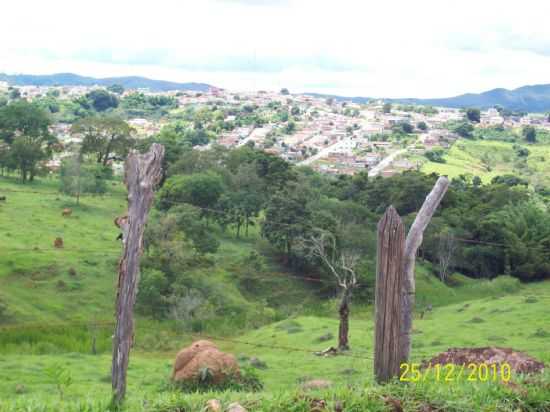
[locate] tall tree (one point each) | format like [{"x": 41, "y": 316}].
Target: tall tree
[
  {"x": 76, "y": 177},
  {"x": 529, "y": 133},
  {"x": 104, "y": 136},
  {"x": 287, "y": 219},
  {"x": 102, "y": 100},
  {"x": 473, "y": 115},
  {"x": 24, "y": 128}
]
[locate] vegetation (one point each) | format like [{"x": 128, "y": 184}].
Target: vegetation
[
  {"x": 25, "y": 138},
  {"x": 241, "y": 242}
]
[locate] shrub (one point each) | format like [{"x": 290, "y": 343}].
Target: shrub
[
  {"x": 435, "y": 155},
  {"x": 246, "y": 381}
]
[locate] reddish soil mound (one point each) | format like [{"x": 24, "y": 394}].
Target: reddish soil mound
[
  {"x": 519, "y": 362},
  {"x": 204, "y": 354}
]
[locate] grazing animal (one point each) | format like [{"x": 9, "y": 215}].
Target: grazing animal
[
  {"x": 67, "y": 212},
  {"x": 3, "y": 198},
  {"x": 58, "y": 242}
]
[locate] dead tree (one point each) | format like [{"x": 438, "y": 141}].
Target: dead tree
[
  {"x": 446, "y": 248},
  {"x": 341, "y": 264},
  {"x": 142, "y": 172},
  {"x": 413, "y": 242}
]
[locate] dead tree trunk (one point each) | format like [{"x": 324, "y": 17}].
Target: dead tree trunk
[
  {"x": 141, "y": 174},
  {"x": 343, "y": 328},
  {"x": 389, "y": 281},
  {"x": 414, "y": 240}
]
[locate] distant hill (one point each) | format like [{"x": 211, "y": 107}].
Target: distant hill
[
  {"x": 70, "y": 79},
  {"x": 534, "y": 98}
]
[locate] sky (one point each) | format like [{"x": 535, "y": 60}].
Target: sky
[{"x": 398, "y": 48}]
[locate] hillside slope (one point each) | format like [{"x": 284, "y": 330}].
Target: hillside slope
[{"x": 535, "y": 98}]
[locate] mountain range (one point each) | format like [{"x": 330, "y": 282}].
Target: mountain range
[
  {"x": 534, "y": 98},
  {"x": 129, "y": 82}
]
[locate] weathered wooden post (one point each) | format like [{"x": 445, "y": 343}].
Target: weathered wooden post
[
  {"x": 389, "y": 282},
  {"x": 395, "y": 283},
  {"x": 142, "y": 172}
]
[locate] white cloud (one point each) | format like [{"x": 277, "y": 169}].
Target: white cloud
[{"x": 399, "y": 48}]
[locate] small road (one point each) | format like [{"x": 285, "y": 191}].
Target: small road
[
  {"x": 385, "y": 162},
  {"x": 322, "y": 153}
]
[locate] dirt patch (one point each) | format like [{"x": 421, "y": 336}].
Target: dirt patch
[{"x": 519, "y": 362}]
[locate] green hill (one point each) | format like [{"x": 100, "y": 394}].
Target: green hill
[{"x": 58, "y": 301}]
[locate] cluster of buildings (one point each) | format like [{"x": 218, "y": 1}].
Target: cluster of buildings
[{"x": 329, "y": 135}]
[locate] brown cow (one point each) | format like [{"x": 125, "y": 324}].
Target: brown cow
[
  {"x": 58, "y": 242},
  {"x": 67, "y": 212}
]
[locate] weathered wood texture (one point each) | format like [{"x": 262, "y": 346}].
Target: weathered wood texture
[
  {"x": 389, "y": 282},
  {"x": 413, "y": 242},
  {"x": 142, "y": 172}
]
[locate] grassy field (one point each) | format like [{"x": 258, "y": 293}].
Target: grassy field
[
  {"x": 59, "y": 299},
  {"x": 488, "y": 158},
  {"x": 516, "y": 320}
]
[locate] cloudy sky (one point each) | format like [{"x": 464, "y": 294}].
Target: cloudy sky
[{"x": 398, "y": 48}]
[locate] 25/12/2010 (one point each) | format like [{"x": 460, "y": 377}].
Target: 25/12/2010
[{"x": 473, "y": 372}]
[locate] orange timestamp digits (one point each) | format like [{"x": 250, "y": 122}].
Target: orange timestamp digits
[{"x": 448, "y": 373}]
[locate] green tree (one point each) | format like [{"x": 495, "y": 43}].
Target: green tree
[
  {"x": 24, "y": 128},
  {"x": 464, "y": 129},
  {"x": 106, "y": 137},
  {"x": 435, "y": 155},
  {"x": 422, "y": 126},
  {"x": 524, "y": 229},
  {"x": 284, "y": 91},
  {"x": 188, "y": 220},
  {"x": 386, "y": 108},
  {"x": 14, "y": 93},
  {"x": 116, "y": 88},
  {"x": 287, "y": 219},
  {"x": 406, "y": 127},
  {"x": 473, "y": 115},
  {"x": 102, "y": 100},
  {"x": 76, "y": 178},
  {"x": 200, "y": 189},
  {"x": 295, "y": 111},
  {"x": 529, "y": 133},
  {"x": 244, "y": 200},
  {"x": 290, "y": 127},
  {"x": 153, "y": 287}
]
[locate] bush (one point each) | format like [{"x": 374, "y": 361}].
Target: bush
[
  {"x": 246, "y": 381},
  {"x": 435, "y": 155}
]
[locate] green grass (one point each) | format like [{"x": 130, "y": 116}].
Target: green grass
[
  {"x": 42, "y": 297},
  {"x": 506, "y": 321},
  {"x": 466, "y": 156},
  {"x": 34, "y": 276}
]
